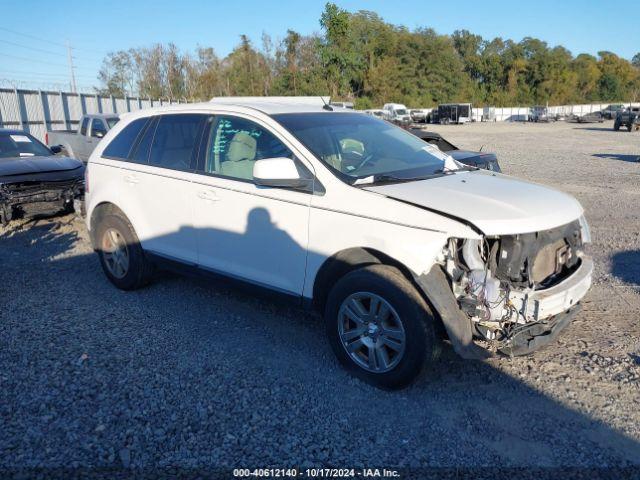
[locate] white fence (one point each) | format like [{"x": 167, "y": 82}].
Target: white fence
[
  {"x": 37, "y": 111},
  {"x": 521, "y": 114}
]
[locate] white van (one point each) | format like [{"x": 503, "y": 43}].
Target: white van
[
  {"x": 385, "y": 235},
  {"x": 396, "y": 113}
]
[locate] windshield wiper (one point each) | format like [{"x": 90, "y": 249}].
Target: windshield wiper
[
  {"x": 386, "y": 178},
  {"x": 465, "y": 168}
]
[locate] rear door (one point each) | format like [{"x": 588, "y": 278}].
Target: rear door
[{"x": 156, "y": 185}]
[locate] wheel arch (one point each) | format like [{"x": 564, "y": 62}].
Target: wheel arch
[
  {"x": 99, "y": 211},
  {"x": 345, "y": 261}
]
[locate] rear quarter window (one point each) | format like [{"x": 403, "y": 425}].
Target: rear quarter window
[{"x": 120, "y": 147}]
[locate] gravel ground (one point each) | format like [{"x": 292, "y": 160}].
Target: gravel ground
[{"x": 187, "y": 375}]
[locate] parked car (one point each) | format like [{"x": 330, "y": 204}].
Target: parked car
[
  {"x": 453, "y": 113},
  {"x": 33, "y": 180},
  {"x": 396, "y": 113},
  {"x": 629, "y": 117},
  {"x": 611, "y": 111},
  {"x": 420, "y": 115},
  {"x": 388, "y": 238},
  {"x": 484, "y": 160},
  {"x": 376, "y": 112},
  {"x": 540, "y": 113},
  {"x": 80, "y": 143},
  {"x": 348, "y": 105},
  {"x": 593, "y": 117}
]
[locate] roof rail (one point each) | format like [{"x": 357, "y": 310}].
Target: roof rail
[{"x": 319, "y": 100}]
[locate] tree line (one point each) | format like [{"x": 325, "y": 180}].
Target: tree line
[{"x": 360, "y": 57}]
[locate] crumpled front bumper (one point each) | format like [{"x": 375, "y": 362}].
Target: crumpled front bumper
[
  {"x": 537, "y": 305},
  {"x": 550, "y": 310}
]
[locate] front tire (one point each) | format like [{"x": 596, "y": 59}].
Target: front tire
[
  {"x": 379, "y": 327},
  {"x": 121, "y": 256}
]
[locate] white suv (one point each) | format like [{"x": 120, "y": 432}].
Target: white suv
[{"x": 389, "y": 238}]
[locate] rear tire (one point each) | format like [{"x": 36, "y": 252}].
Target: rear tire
[
  {"x": 121, "y": 256},
  {"x": 394, "y": 336}
]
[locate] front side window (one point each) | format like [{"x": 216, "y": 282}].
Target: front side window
[
  {"x": 121, "y": 145},
  {"x": 358, "y": 146},
  {"x": 97, "y": 128},
  {"x": 176, "y": 140},
  {"x": 235, "y": 144}
]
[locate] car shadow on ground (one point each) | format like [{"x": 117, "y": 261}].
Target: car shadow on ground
[
  {"x": 595, "y": 129},
  {"x": 625, "y": 265},
  {"x": 619, "y": 156},
  {"x": 229, "y": 379}
]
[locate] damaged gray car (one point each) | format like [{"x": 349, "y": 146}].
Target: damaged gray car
[{"x": 33, "y": 180}]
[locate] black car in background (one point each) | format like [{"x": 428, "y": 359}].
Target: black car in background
[
  {"x": 486, "y": 161},
  {"x": 611, "y": 111},
  {"x": 33, "y": 179}
]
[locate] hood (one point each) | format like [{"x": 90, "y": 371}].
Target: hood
[
  {"x": 495, "y": 204},
  {"x": 28, "y": 165}
]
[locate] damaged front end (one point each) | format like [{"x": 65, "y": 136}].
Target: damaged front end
[
  {"x": 33, "y": 196},
  {"x": 518, "y": 292}
]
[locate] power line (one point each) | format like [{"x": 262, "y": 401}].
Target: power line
[
  {"x": 34, "y": 60},
  {"x": 51, "y": 42},
  {"x": 41, "y": 74},
  {"x": 33, "y": 48}
]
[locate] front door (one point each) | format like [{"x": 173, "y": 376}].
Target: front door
[{"x": 257, "y": 234}]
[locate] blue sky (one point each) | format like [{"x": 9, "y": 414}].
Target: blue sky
[{"x": 39, "y": 60}]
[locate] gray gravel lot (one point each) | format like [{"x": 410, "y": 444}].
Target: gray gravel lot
[{"x": 186, "y": 374}]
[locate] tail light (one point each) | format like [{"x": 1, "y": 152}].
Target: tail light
[{"x": 46, "y": 138}]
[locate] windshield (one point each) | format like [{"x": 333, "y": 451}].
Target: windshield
[
  {"x": 401, "y": 111},
  {"x": 112, "y": 121},
  {"x": 21, "y": 145},
  {"x": 359, "y": 146}
]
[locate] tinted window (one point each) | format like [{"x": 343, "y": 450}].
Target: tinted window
[
  {"x": 141, "y": 153},
  {"x": 175, "y": 141},
  {"x": 21, "y": 145},
  {"x": 235, "y": 144},
  {"x": 97, "y": 128},
  {"x": 112, "y": 121},
  {"x": 85, "y": 125},
  {"x": 121, "y": 145}
]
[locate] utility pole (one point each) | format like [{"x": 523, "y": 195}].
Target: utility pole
[{"x": 73, "y": 75}]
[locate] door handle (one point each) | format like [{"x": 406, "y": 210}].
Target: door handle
[
  {"x": 208, "y": 195},
  {"x": 131, "y": 179}
]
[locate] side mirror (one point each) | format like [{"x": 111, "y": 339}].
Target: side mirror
[
  {"x": 98, "y": 134},
  {"x": 278, "y": 172},
  {"x": 55, "y": 149}
]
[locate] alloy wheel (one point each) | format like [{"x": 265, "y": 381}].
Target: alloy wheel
[
  {"x": 371, "y": 332},
  {"x": 115, "y": 253}
]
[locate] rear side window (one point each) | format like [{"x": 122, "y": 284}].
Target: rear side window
[
  {"x": 140, "y": 153},
  {"x": 120, "y": 147},
  {"x": 176, "y": 141},
  {"x": 85, "y": 125}
]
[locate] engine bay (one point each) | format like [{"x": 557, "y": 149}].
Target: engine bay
[{"x": 495, "y": 280}]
